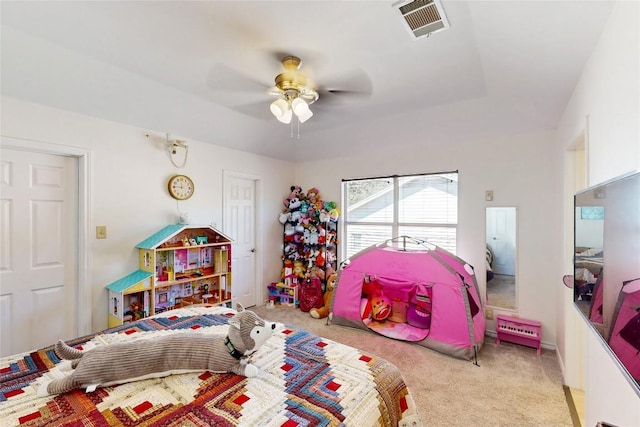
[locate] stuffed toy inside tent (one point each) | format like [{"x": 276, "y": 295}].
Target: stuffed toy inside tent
[{"x": 411, "y": 290}]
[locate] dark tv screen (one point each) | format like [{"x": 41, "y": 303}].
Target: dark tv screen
[{"x": 607, "y": 266}]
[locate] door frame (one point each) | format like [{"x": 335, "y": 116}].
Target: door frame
[
  {"x": 226, "y": 174},
  {"x": 83, "y": 268}
]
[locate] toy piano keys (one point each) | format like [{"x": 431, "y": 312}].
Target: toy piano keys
[{"x": 519, "y": 331}]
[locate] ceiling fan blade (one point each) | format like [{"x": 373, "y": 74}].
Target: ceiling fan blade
[
  {"x": 354, "y": 82},
  {"x": 354, "y": 86},
  {"x": 258, "y": 110},
  {"x": 224, "y": 78}
]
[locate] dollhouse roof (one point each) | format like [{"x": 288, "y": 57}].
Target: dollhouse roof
[
  {"x": 152, "y": 242},
  {"x": 126, "y": 282}
]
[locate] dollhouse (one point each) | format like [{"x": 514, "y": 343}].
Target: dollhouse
[{"x": 179, "y": 265}]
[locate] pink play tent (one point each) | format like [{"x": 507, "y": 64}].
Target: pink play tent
[
  {"x": 421, "y": 282},
  {"x": 625, "y": 334}
]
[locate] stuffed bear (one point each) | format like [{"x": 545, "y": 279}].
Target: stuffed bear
[
  {"x": 299, "y": 269},
  {"x": 322, "y": 312},
  {"x": 157, "y": 357}
]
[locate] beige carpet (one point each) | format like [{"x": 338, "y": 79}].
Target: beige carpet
[
  {"x": 511, "y": 387},
  {"x": 501, "y": 291}
]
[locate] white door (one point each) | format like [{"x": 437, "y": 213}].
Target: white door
[
  {"x": 38, "y": 250},
  {"x": 501, "y": 235},
  {"x": 239, "y": 224}
]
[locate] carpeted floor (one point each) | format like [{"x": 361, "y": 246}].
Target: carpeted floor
[
  {"x": 501, "y": 291},
  {"x": 511, "y": 387}
]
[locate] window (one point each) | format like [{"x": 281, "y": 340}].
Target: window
[{"x": 424, "y": 207}]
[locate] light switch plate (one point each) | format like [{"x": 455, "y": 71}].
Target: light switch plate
[
  {"x": 488, "y": 195},
  {"x": 101, "y": 232}
]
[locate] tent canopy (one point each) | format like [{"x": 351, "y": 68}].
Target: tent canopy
[{"x": 457, "y": 319}]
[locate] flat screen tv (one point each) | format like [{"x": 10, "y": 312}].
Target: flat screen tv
[{"x": 607, "y": 267}]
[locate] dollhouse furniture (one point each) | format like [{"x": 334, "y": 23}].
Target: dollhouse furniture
[
  {"x": 519, "y": 331},
  {"x": 283, "y": 295},
  {"x": 180, "y": 265}
]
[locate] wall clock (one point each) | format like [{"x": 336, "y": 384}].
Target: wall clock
[{"x": 181, "y": 187}]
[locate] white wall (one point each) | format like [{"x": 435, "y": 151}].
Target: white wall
[
  {"x": 129, "y": 196},
  {"x": 605, "y": 104},
  {"x": 516, "y": 167}
]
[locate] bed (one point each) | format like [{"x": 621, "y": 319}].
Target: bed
[
  {"x": 588, "y": 267},
  {"x": 304, "y": 379},
  {"x": 589, "y": 259}
]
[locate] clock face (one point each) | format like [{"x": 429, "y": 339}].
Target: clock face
[{"x": 181, "y": 187}]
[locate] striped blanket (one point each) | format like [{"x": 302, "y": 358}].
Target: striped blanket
[{"x": 304, "y": 380}]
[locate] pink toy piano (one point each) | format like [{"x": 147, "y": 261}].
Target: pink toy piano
[{"x": 519, "y": 331}]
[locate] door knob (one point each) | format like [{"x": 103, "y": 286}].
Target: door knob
[{"x": 253, "y": 249}]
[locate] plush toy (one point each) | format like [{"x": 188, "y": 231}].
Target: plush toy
[
  {"x": 334, "y": 214},
  {"x": 161, "y": 356},
  {"x": 289, "y": 230},
  {"x": 290, "y": 251},
  {"x": 313, "y": 194},
  {"x": 298, "y": 268},
  {"x": 322, "y": 312},
  {"x": 374, "y": 303},
  {"x": 369, "y": 288},
  {"x": 320, "y": 257},
  {"x": 380, "y": 306},
  {"x": 284, "y": 217},
  {"x": 296, "y": 191},
  {"x": 419, "y": 311},
  {"x": 293, "y": 201}
]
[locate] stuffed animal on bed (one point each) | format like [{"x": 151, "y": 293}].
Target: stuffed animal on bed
[{"x": 161, "y": 356}]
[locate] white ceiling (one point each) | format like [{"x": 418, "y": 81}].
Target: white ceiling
[{"x": 200, "y": 70}]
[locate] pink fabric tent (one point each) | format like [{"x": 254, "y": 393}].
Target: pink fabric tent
[
  {"x": 595, "y": 309},
  {"x": 625, "y": 335},
  {"x": 457, "y": 320}
]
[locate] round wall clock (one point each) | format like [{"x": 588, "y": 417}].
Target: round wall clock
[{"x": 181, "y": 187}]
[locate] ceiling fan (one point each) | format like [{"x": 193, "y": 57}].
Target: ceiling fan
[{"x": 294, "y": 91}]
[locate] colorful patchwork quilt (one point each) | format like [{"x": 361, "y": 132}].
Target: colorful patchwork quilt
[{"x": 304, "y": 380}]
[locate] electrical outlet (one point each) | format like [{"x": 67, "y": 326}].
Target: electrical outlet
[
  {"x": 101, "y": 232},
  {"x": 488, "y": 313}
]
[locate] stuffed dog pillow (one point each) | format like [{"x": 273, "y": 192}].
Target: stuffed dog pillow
[{"x": 158, "y": 357}]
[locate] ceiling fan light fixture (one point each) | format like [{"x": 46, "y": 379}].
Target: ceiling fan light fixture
[
  {"x": 286, "y": 117},
  {"x": 299, "y": 106},
  {"x": 305, "y": 115},
  {"x": 279, "y": 108}
]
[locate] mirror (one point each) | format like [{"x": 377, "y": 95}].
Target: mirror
[
  {"x": 501, "y": 255},
  {"x": 606, "y": 269}
]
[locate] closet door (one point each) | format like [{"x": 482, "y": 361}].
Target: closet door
[
  {"x": 240, "y": 225},
  {"x": 38, "y": 250}
]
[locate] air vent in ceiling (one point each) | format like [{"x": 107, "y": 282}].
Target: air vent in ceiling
[{"x": 423, "y": 17}]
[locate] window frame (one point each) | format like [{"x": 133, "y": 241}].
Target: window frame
[{"x": 395, "y": 224}]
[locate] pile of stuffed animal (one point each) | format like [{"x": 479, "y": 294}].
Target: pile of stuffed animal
[
  {"x": 310, "y": 235},
  {"x": 414, "y": 310}
]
